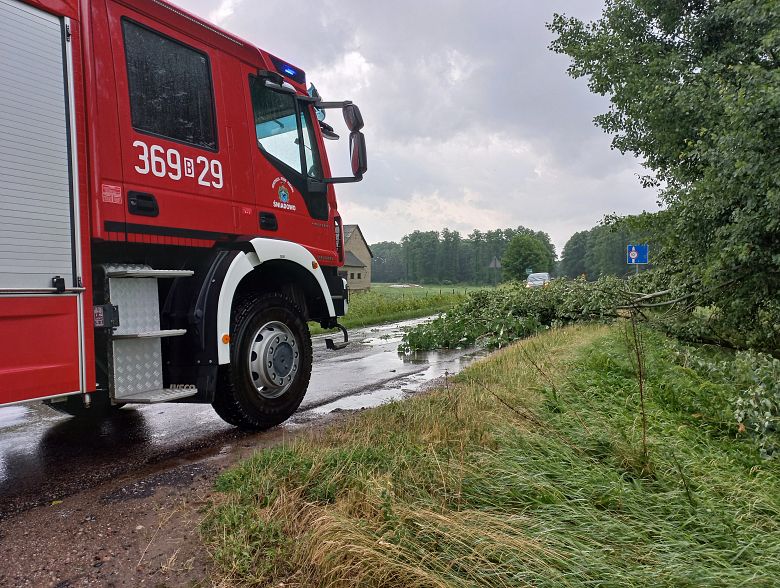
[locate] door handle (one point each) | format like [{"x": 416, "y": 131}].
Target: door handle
[
  {"x": 268, "y": 221},
  {"x": 142, "y": 204}
]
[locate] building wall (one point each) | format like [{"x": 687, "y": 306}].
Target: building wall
[
  {"x": 361, "y": 283},
  {"x": 358, "y": 247}
]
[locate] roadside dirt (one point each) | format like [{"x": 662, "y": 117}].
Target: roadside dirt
[
  {"x": 141, "y": 532},
  {"x": 138, "y": 530}
]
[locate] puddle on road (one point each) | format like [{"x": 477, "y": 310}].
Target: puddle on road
[
  {"x": 393, "y": 333},
  {"x": 361, "y": 401},
  {"x": 383, "y": 340},
  {"x": 440, "y": 363}
]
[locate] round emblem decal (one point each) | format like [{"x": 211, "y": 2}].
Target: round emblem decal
[{"x": 283, "y": 190}]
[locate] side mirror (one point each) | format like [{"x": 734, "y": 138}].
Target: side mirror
[
  {"x": 357, "y": 150},
  {"x": 357, "y": 141},
  {"x": 353, "y": 118}
]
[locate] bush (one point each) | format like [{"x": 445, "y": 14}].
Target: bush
[{"x": 757, "y": 408}]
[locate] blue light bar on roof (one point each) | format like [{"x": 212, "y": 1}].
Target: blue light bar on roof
[{"x": 288, "y": 70}]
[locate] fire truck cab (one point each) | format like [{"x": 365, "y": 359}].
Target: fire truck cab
[{"x": 168, "y": 220}]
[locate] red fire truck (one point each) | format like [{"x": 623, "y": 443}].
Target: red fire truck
[{"x": 168, "y": 221}]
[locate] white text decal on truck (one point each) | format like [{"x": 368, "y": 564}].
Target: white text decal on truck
[{"x": 161, "y": 163}]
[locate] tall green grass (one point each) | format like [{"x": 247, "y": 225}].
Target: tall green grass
[
  {"x": 379, "y": 306},
  {"x": 526, "y": 470}
]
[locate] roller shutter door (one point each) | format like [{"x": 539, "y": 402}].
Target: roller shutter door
[{"x": 36, "y": 227}]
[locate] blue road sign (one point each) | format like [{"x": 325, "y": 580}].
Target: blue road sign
[{"x": 638, "y": 254}]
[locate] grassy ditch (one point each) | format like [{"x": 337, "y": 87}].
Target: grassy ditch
[
  {"x": 384, "y": 304},
  {"x": 532, "y": 468}
]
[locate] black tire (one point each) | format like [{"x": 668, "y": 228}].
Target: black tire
[
  {"x": 100, "y": 407},
  {"x": 239, "y": 401}
]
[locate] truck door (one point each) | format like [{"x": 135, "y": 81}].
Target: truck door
[
  {"x": 174, "y": 152},
  {"x": 41, "y": 332},
  {"x": 279, "y": 127}
]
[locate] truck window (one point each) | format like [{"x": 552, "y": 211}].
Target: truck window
[
  {"x": 171, "y": 93},
  {"x": 277, "y": 128},
  {"x": 313, "y": 168},
  {"x": 276, "y": 124}
]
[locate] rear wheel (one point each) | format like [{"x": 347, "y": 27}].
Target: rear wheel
[{"x": 270, "y": 363}]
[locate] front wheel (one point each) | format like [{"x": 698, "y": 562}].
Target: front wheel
[{"x": 270, "y": 363}]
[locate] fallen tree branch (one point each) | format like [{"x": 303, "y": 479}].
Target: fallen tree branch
[
  {"x": 638, "y": 303},
  {"x": 657, "y": 304},
  {"x": 652, "y": 295}
]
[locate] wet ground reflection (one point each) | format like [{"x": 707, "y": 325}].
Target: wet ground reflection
[{"x": 45, "y": 455}]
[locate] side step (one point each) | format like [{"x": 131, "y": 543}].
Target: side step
[
  {"x": 148, "y": 273},
  {"x": 157, "y": 396},
  {"x": 151, "y": 334}
]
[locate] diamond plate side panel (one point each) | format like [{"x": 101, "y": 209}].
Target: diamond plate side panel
[
  {"x": 139, "y": 309},
  {"x": 136, "y": 363},
  {"x": 137, "y": 367}
]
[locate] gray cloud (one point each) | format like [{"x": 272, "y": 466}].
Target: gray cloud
[{"x": 471, "y": 120}]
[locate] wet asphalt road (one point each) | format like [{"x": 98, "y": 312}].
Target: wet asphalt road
[{"x": 45, "y": 456}]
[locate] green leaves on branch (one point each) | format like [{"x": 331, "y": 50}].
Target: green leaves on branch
[
  {"x": 695, "y": 93},
  {"x": 757, "y": 408},
  {"x": 751, "y": 381},
  {"x": 495, "y": 318}
]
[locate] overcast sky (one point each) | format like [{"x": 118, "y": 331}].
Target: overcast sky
[{"x": 471, "y": 122}]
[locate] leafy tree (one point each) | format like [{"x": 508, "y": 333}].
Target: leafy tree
[
  {"x": 606, "y": 251},
  {"x": 449, "y": 256},
  {"x": 526, "y": 252},
  {"x": 388, "y": 263},
  {"x": 573, "y": 255},
  {"x": 476, "y": 260},
  {"x": 544, "y": 238},
  {"x": 695, "y": 92},
  {"x": 420, "y": 251},
  {"x": 432, "y": 257}
]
